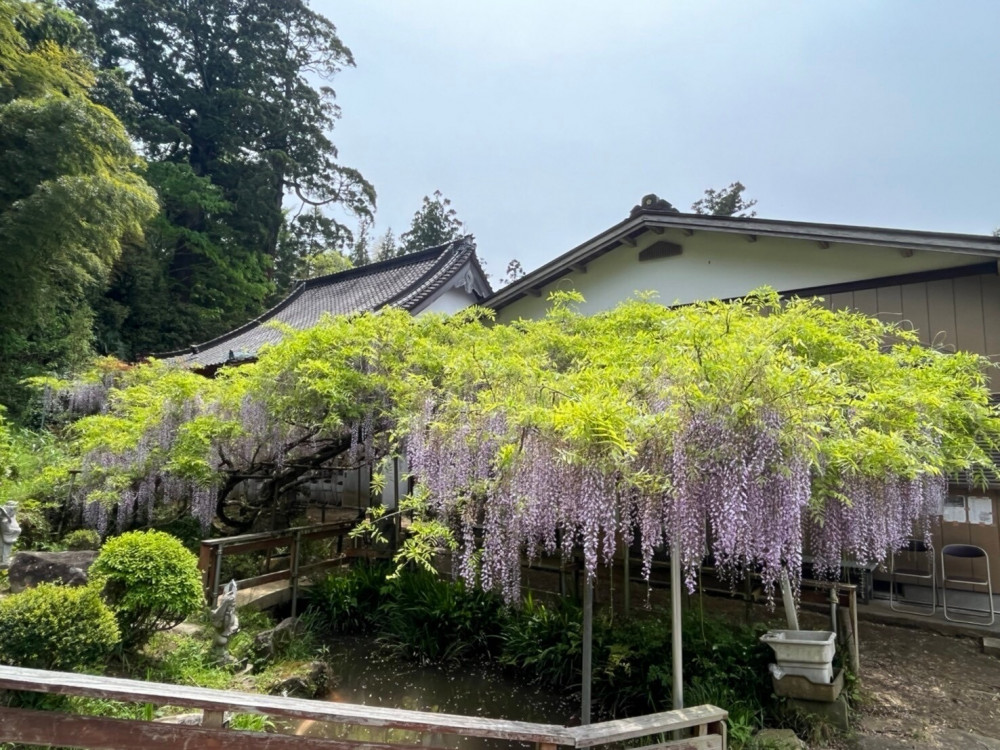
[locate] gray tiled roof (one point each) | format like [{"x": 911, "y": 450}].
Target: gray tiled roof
[{"x": 404, "y": 282}]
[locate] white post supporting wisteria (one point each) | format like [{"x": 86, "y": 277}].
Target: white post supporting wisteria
[
  {"x": 789, "y": 601},
  {"x": 588, "y": 648},
  {"x": 675, "y": 622}
]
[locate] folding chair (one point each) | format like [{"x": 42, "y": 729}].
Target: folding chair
[
  {"x": 971, "y": 553},
  {"x": 912, "y": 569}
]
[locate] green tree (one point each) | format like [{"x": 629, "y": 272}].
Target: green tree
[
  {"x": 225, "y": 88},
  {"x": 728, "y": 201},
  {"x": 360, "y": 254},
  {"x": 434, "y": 224},
  {"x": 387, "y": 247},
  {"x": 756, "y": 420},
  {"x": 70, "y": 195}
]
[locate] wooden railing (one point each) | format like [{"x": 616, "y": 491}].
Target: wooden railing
[
  {"x": 706, "y": 725},
  {"x": 213, "y": 550}
]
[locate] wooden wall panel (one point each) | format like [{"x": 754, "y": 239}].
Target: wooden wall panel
[
  {"x": 970, "y": 333},
  {"x": 915, "y": 309},
  {"x": 941, "y": 311},
  {"x": 890, "y": 304},
  {"x": 842, "y": 301},
  {"x": 866, "y": 301},
  {"x": 990, "y": 286}
]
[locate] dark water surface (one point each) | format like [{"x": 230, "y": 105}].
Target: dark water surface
[{"x": 368, "y": 677}]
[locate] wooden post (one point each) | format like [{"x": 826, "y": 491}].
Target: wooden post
[
  {"x": 296, "y": 548},
  {"x": 206, "y": 562},
  {"x": 212, "y": 719},
  {"x": 216, "y": 575}
]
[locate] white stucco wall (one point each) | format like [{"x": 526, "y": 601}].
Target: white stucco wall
[
  {"x": 450, "y": 301},
  {"x": 716, "y": 265}
]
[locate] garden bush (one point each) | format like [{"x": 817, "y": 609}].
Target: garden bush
[
  {"x": 56, "y": 627},
  {"x": 150, "y": 581},
  {"x": 347, "y": 602},
  {"x": 444, "y": 622},
  {"x": 82, "y": 539},
  {"x": 544, "y": 643}
]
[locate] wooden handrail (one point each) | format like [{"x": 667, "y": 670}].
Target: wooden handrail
[
  {"x": 17, "y": 725},
  {"x": 212, "y": 551}
]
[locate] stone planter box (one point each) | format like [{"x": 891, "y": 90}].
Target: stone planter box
[
  {"x": 797, "y": 686},
  {"x": 808, "y": 653}
]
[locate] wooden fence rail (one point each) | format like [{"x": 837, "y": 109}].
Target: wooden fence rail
[
  {"x": 213, "y": 550},
  {"x": 706, "y": 725}
]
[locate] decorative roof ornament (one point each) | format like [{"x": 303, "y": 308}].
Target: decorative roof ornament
[{"x": 653, "y": 202}]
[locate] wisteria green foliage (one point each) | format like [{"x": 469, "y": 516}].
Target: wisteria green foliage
[{"x": 731, "y": 428}]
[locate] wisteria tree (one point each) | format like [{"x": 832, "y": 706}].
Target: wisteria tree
[{"x": 741, "y": 430}]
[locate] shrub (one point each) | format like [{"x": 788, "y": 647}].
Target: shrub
[
  {"x": 56, "y": 627},
  {"x": 544, "y": 643},
  {"x": 82, "y": 539},
  {"x": 150, "y": 581},
  {"x": 424, "y": 618},
  {"x": 348, "y": 602}
]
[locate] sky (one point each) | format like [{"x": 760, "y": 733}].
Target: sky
[{"x": 545, "y": 121}]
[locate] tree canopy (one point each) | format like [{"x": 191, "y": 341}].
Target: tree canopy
[
  {"x": 70, "y": 194},
  {"x": 741, "y": 429},
  {"x": 728, "y": 201},
  {"x": 223, "y": 98}
]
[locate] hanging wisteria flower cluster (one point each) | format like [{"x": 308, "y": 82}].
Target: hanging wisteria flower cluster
[{"x": 741, "y": 441}]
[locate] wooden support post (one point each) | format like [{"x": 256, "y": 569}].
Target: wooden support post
[
  {"x": 296, "y": 551},
  {"x": 216, "y": 575},
  {"x": 213, "y": 719}
]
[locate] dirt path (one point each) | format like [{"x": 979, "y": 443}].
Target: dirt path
[{"x": 924, "y": 690}]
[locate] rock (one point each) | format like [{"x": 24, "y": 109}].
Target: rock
[
  {"x": 991, "y": 646},
  {"x": 312, "y": 680},
  {"x": 269, "y": 644},
  {"x": 777, "y": 739},
  {"x": 28, "y": 569}
]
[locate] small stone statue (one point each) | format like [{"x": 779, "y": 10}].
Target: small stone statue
[
  {"x": 10, "y": 530},
  {"x": 225, "y": 621}
]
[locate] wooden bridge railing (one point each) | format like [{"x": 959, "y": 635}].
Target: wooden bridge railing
[
  {"x": 213, "y": 550},
  {"x": 706, "y": 725}
]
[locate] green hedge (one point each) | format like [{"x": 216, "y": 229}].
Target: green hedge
[
  {"x": 56, "y": 627},
  {"x": 150, "y": 581}
]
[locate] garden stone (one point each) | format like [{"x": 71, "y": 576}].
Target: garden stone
[
  {"x": 314, "y": 680},
  {"x": 269, "y": 643},
  {"x": 777, "y": 739},
  {"x": 28, "y": 569}
]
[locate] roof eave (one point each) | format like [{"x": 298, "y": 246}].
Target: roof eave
[{"x": 644, "y": 220}]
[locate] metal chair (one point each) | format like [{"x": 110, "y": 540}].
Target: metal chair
[
  {"x": 913, "y": 570},
  {"x": 971, "y": 553}
]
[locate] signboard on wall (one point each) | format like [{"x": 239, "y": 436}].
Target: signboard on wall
[{"x": 980, "y": 511}]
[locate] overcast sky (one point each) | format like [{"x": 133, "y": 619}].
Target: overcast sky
[{"x": 545, "y": 121}]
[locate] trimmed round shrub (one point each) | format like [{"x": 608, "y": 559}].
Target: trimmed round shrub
[
  {"x": 82, "y": 539},
  {"x": 56, "y": 627},
  {"x": 150, "y": 581}
]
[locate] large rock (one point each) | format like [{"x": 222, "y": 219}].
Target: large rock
[
  {"x": 268, "y": 645},
  {"x": 28, "y": 569},
  {"x": 312, "y": 679}
]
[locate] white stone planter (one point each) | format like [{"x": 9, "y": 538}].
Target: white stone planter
[{"x": 808, "y": 653}]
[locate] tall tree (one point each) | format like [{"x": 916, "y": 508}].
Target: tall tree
[
  {"x": 387, "y": 247},
  {"x": 728, "y": 201},
  {"x": 223, "y": 87},
  {"x": 360, "y": 254},
  {"x": 435, "y": 223},
  {"x": 70, "y": 194}
]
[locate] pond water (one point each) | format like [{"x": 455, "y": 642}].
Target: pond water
[{"x": 366, "y": 677}]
